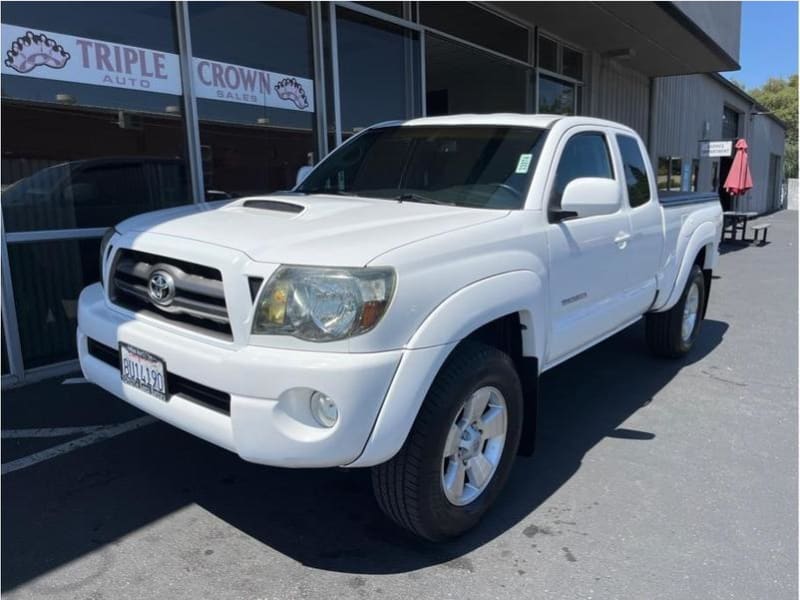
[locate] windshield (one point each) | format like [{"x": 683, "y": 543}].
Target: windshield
[{"x": 485, "y": 166}]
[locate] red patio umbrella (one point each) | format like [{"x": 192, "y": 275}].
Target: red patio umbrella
[{"x": 739, "y": 180}]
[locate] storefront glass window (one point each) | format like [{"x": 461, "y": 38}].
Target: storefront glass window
[
  {"x": 390, "y": 8},
  {"x": 695, "y": 173},
  {"x": 668, "y": 174},
  {"x": 555, "y": 96},
  {"x": 461, "y": 79},
  {"x": 92, "y": 134},
  {"x": 572, "y": 63},
  {"x": 253, "y": 75},
  {"x": 379, "y": 71},
  {"x": 730, "y": 124},
  {"x": 4, "y": 358},
  {"x": 547, "y": 57},
  {"x": 559, "y": 95},
  {"x": 91, "y": 92},
  {"x": 477, "y": 25}
]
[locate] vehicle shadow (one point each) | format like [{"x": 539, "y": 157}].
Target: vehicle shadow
[
  {"x": 735, "y": 245},
  {"x": 325, "y": 519}
]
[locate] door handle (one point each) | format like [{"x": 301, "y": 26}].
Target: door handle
[{"x": 622, "y": 239}]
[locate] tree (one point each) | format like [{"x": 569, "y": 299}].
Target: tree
[{"x": 779, "y": 96}]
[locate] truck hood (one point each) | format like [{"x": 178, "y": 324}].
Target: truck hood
[{"x": 313, "y": 230}]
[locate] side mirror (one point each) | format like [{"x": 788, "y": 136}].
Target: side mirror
[
  {"x": 302, "y": 173},
  {"x": 589, "y": 197}
]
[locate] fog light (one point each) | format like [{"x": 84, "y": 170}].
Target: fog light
[{"x": 324, "y": 409}]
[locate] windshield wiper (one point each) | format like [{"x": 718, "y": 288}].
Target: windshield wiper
[{"x": 411, "y": 197}]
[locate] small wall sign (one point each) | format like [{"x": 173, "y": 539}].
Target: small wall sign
[{"x": 709, "y": 149}]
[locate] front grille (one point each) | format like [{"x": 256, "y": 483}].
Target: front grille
[
  {"x": 191, "y": 390},
  {"x": 199, "y": 300}
]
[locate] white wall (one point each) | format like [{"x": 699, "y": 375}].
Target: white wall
[{"x": 791, "y": 196}]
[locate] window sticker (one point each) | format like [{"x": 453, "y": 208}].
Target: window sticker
[{"x": 524, "y": 163}]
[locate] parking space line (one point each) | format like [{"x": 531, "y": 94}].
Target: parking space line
[
  {"x": 48, "y": 432},
  {"x": 99, "y": 435}
]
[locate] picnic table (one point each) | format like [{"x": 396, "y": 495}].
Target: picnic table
[{"x": 735, "y": 221}]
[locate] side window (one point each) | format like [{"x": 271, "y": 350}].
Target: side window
[
  {"x": 635, "y": 172},
  {"x": 584, "y": 155}
]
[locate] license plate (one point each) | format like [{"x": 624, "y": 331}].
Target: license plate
[{"x": 143, "y": 371}]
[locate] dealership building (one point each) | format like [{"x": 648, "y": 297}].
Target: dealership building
[{"x": 115, "y": 108}]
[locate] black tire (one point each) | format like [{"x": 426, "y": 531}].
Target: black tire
[
  {"x": 664, "y": 330},
  {"x": 409, "y": 487}
]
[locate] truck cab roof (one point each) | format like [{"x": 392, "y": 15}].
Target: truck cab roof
[{"x": 543, "y": 121}]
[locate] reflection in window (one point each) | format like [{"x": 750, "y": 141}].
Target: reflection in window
[
  {"x": 584, "y": 155},
  {"x": 669, "y": 173},
  {"x": 480, "y": 166},
  {"x": 477, "y": 25},
  {"x": 47, "y": 278},
  {"x": 247, "y": 146},
  {"x": 379, "y": 71},
  {"x": 4, "y": 359},
  {"x": 556, "y": 97},
  {"x": 730, "y": 123},
  {"x": 65, "y": 142},
  {"x": 451, "y": 70},
  {"x": 635, "y": 171},
  {"x": 390, "y": 8},
  {"x": 548, "y": 54},
  {"x": 572, "y": 63}
]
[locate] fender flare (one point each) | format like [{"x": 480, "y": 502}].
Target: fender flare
[
  {"x": 704, "y": 235},
  {"x": 484, "y": 301},
  {"x": 450, "y": 322}
]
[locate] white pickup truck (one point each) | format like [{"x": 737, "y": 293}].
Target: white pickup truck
[{"x": 396, "y": 309}]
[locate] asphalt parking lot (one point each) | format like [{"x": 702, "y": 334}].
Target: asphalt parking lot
[{"x": 652, "y": 479}]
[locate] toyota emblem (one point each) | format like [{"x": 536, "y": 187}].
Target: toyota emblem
[{"x": 161, "y": 288}]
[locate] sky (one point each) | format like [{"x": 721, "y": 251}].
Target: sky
[{"x": 768, "y": 42}]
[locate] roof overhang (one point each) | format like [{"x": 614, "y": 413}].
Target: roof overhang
[{"x": 657, "y": 39}]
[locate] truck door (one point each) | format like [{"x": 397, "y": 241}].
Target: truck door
[
  {"x": 589, "y": 256},
  {"x": 647, "y": 234}
]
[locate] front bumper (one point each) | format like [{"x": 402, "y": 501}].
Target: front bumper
[{"x": 269, "y": 420}]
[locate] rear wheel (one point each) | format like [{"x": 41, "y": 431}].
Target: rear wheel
[
  {"x": 459, "y": 452},
  {"x": 672, "y": 333}
]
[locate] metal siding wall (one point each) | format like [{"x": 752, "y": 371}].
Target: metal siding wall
[
  {"x": 681, "y": 106},
  {"x": 619, "y": 94},
  {"x": 766, "y": 137}
]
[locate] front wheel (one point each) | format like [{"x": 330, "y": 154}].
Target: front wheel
[
  {"x": 672, "y": 333},
  {"x": 459, "y": 452}
]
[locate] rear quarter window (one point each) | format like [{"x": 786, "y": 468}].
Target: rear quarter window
[{"x": 635, "y": 171}]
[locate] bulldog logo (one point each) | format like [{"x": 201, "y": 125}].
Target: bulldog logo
[
  {"x": 35, "y": 50},
  {"x": 291, "y": 90}
]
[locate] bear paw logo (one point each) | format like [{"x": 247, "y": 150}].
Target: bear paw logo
[
  {"x": 33, "y": 50},
  {"x": 289, "y": 89}
]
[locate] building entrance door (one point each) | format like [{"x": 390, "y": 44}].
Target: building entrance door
[{"x": 725, "y": 198}]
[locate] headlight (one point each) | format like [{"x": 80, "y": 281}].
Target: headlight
[
  {"x": 103, "y": 247},
  {"x": 323, "y": 304}
]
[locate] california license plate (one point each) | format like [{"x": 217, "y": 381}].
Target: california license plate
[{"x": 143, "y": 371}]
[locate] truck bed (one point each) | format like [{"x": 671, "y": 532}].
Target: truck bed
[{"x": 668, "y": 199}]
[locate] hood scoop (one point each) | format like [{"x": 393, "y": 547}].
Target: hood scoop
[{"x": 276, "y": 205}]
